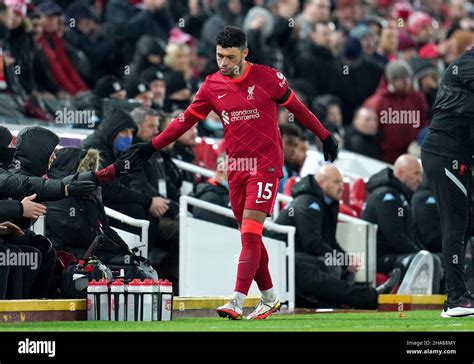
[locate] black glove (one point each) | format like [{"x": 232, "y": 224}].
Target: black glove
[
  {"x": 330, "y": 149},
  {"x": 134, "y": 159},
  {"x": 79, "y": 188}
]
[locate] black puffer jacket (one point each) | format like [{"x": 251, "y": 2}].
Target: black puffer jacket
[
  {"x": 102, "y": 139},
  {"x": 388, "y": 206},
  {"x": 73, "y": 223},
  {"x": 315, "y": 218},
  {"x": 34, "y": 146},
  {"x": 25, "y": 176}
]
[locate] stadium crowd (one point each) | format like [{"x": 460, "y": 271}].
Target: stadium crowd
[{"x": 368, "y": 69}]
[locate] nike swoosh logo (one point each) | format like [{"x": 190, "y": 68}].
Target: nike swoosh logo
[
  {"x": 221, "y": 96},
  {"x": 260, "y": 201}
]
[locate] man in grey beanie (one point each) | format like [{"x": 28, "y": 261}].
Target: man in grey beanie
[{"x": 401, "y": 110}]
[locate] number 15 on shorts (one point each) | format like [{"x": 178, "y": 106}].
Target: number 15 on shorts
[{"x": 264, "y": 192}]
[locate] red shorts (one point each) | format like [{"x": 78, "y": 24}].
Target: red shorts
[{"x": 256, "y": 193}]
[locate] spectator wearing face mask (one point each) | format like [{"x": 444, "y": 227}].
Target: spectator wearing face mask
[{"x": 113, "y": 138}]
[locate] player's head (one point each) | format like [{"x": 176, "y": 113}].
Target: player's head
[
  {"x": 231, "y": 50},
  {"x": 330, "y": 180}
]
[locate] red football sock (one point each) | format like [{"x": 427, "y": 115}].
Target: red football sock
[
  {"x": 250, "y": 255},
  {"x": 262, "y": 276}
]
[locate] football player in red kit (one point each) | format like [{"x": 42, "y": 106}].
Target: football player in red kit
[{"x": 246, "y": 97}]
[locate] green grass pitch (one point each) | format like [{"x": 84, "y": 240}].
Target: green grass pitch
[{"x": 377, "y": 321}]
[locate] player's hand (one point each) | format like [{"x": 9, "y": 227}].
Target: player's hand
[
  {"x": 134, "y": 160},
  {"x": 79, "y": 188},
  {"x": 10, "y": 228},
  {"x": 330, "y": 149},
  {"x": 32, "y": 210}
]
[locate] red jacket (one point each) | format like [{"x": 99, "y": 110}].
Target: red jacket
[
  {"x": 401, "y": 116},
  {"x": 61, "y": 69}
]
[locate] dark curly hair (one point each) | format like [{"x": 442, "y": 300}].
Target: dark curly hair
[{"x": 231, "y": 36}]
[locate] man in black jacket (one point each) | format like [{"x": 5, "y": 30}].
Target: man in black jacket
[
  {"x": 447, "y": 158},
  {"x": 153, "y": 181},
  {"x": 314, "y": 212},
  {"x": 388, "y": 206}
]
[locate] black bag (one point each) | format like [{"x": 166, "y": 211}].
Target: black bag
[
  {"x": 76, "y": 277},
  {"x": 134, "y": 267}
]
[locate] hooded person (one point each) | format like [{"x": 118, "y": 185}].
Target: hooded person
[
  {"x": 32, "y": 159},
  {"x": 73, "y": 223},
  {"x": 113, "y": 138},
  {"x": 149, "y": 52}
]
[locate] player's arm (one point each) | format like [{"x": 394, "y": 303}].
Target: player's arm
[
  {"x": 284, "y": 95},
  {"x": 198, "y": 110}
]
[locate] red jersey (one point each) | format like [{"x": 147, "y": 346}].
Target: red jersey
[{"x": 248, "y": 109}]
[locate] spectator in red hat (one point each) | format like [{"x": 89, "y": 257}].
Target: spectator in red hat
[
  {"x": 401, "y": 12},
  {"x": 423, "y": 28}
]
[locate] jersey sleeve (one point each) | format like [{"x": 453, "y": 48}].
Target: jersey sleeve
[
  {"x": 277, "y": 85},
  {"x": 201, "y": 105},
  {"x": 198, "y": 110}
]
